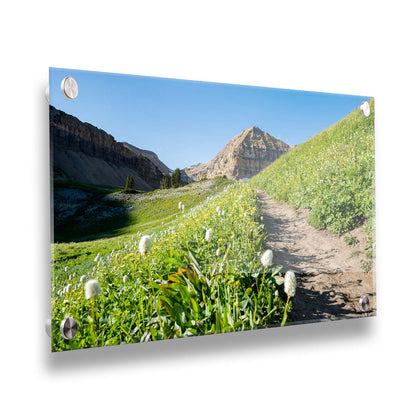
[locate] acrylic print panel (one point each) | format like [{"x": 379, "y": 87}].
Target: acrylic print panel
[{"x": 186, "y": 208}]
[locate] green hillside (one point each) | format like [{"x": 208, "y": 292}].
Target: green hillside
[{"x": 332, "y": 174}]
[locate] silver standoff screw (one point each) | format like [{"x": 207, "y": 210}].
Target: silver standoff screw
[
  {"x": 48, "y": 327},
  {"x": 365, "y": 109},
  {"x": 47, "y": 94},
  {"x": 69, "y": 88},
  {"x": 69, "y": 328},
  {"x": 364, "y": 303}
]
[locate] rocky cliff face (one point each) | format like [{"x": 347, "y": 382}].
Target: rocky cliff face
[
  {"x": 152, "y": 156},
  {"x": 85, "y": 153},
  {"x": 243, "y": 157}
]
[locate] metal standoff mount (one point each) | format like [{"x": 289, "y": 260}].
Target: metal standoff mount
[
  {"x": 364, "y": 303},
  {"x": 69, "y": 88},
  {"x": 69, "y": 328},
  {"x": 47, "y": 93},
  {"x": 365, "y": 109},
  {"x": 48, "y": 327}
]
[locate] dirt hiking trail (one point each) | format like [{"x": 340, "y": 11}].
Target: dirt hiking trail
[{"x": 330, "y": 279}]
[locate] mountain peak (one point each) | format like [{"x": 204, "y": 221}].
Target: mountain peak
[
  {"x": 254, "y": 129},
  {"x": 243, "y": 156}
]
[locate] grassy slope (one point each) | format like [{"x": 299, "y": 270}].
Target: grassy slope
[
  {"x": 332, "y": 174},
  {"x": 146, "y": 216},
  {"x": 186, "y": 285}
]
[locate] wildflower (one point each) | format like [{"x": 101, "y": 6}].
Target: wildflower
[
  {"x": 145, "y": 244},
  {"x": 92, "y": 289},
  {"x": 180, "y": 205},
  {"x": 66, "y": 269},
  {"x": 68, "y": 288},
  {"x": 208, "y": 235},
  {"x": 267, "y": 258},
  {"x": 218, "y": 252},
  {"x": 276, "y": 293},
  {"x": 124, "y": 279},
  {"x": 97, "y": 257},
  {"x": 218, "y": 209},
  {"x": 290, "y": 283},
  {"x": 183, "y": 207}
]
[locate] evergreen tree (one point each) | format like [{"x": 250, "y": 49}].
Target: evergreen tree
[
  {"x": 166, "y": 182},
  {"x": 176, "y": 178},
  {"x": 129, "y": 183}
]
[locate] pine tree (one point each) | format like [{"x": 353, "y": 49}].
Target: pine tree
[
  {"x": 166, "y": 182},
  {"x": 176, "y": 178},
  {"x": 129, "y": 183}
]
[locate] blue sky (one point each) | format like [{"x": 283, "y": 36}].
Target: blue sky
[{"x": 187, "y": 122}]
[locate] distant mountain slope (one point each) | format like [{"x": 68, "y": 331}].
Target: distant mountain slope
[
  {"x": 332, "y": 174},
  {"x": 152, "y": 156},
  {"x": 244, "y": 156},
  {"x": 85, "y": 153}
]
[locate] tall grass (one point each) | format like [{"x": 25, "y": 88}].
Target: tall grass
[
  {"x": 190, "y": 283},
  {"x": 332, "y": 174}
]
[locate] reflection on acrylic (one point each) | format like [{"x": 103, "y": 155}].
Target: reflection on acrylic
[{"x": 189, "y": 208}]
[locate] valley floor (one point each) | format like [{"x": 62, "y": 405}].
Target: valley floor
[{"x": 331, "y": 279}]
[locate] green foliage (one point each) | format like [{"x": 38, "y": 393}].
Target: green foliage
[
  {"x": 129, "y": 183},
  {"x": 351, "y": 240},
  {"x": 331, "y": 174},
  {"x": 166, "y": 181},
  {"x": 176, "y": 178},
  {"x": 150, "y": 212},
  {"x": 186, "y": 285}
]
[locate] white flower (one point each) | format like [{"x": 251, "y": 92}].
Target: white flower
[
  {"x": 261, "y": 218},
  {"x": 183, "y": 207},
  {"x": 180, "y": 205},
  {"x": 290, "y": 283},
  {"x": 68, "y": 288},
  {"x": 218, "y": 252},
  {"x": 218, "y": 209},
  {"x": 124, "y": 279},
  {"x": 145, "y": 244},
  {"x": 267, "y": 258},
  {"x": 82, "y": 278},
  {"x": 208, "y": 234},
  {"x": 222, "y": 213},
  {"x": 66, "y": 269},
  {"x": 245, "y": 214},
  {"x": 276, "y": 293},
  {"x": 92, "y": 289},
  {"x": 97, "y": 257}
]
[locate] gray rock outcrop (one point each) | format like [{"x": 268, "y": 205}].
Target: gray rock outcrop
[
  {"x": 85, "y": 153},
  {"x": 244, "y": 156}
]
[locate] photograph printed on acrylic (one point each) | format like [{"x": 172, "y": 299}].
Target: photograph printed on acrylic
[{"x": 185, "y": 208}]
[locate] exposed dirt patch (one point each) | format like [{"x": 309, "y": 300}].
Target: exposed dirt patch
[{"x": 330, "y": 277}]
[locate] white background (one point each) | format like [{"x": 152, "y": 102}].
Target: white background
[{"x": 364, "y": 366}]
